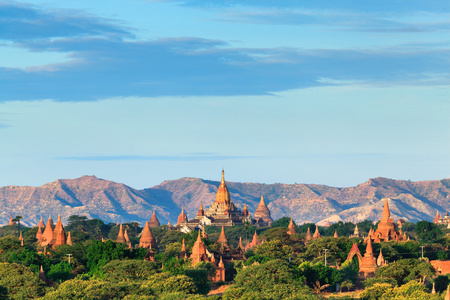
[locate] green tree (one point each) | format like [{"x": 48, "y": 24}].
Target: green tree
[
  {"x": 405, "y": 270},
  {"x": 165, "y": 282},
  {"x": 274, "y": 249},
  {"x": 100, "y": 253},
  {"x": 129, "y": 270},
  {"x": 60, "y": 272},
  {"x": 271, "y": 280},
  {"x": 427, "y": 232},
  {"x": 20, "y": 282},
  {"x": 282, "y": 222}
]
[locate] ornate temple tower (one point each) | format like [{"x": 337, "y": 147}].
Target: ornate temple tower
[
  {"x": 368, "y": 263},
  {"x": 386, "y": 229},
  {"x": 182, "y": 218},
  {"x": 223, "y": 239}
]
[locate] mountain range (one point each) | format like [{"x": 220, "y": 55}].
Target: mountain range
[{"x": 112, "y": 202}]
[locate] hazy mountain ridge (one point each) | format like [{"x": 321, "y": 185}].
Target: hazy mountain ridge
[{"x": 112, "y": 202}]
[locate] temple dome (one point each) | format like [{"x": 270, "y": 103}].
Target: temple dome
[{"x": 263, "y": 212}]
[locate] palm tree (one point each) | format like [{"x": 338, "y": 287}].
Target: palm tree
[
  {"x": 17, "y": 220},
  {"x": 246, "y": 224}
]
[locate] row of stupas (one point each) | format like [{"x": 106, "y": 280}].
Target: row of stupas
[
  {"x": 442, "y": 220},
  {"x": 52, "y": 237},
  {"x": 224, "y": 213}
]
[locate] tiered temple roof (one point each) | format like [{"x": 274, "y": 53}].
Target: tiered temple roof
[
  {"x": 386, "y": 230},
  {"x": 222, "y": 212}
]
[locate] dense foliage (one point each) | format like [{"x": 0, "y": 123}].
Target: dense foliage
[{"x": 283, "y": 267}]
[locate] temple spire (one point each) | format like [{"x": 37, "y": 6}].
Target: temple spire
[
  {"x": 182, "y": 217},
  {"x": 222, "y": 238},
  {"x": 120, "y": 236},
  {"x": 335, "y": 234},
  {"x": 386, "y": 212},
  {"x": 69, "y": 239},
  {"x": 154, "y": 222}
]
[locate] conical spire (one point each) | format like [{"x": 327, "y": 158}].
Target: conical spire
[
  {"x": 200, "y": 212},
  {"x": 204, "y": 234},
  {"x": 50, "y": 220},
  {"x": 222, "y": 238},
  {"x": 20, "y": 236},
  {"x": 183, "y": 249},
  {"x": 11, "y": 222},
  {"x": 356, "y": 232},
  {"x": 221, "y": 264},
  {"x": 240, "y": 245},
  {"x": 69, "y": 240},
  {"x": 263, "y": 212},
  {"x": 308, "y": 235},
  {"x": 380, "y": 259},
  {"x": 198, "y": 251},
  {"x": 47, "y": 236},
  {"x": 154, "y": 222},
  {"x": 433, "y": 290},
  {"x": 120, "y": 236},
  {"x": 255, "y": 238},
  {"x": 223, "y": 195},
  {"x": 147, "y": 240},
  {"x": 39, "y": 235},
  {"x": 126, "y": 237},
  {"x": 436, "y": 219},
  {"x": 182, "y": 217},
  {"x": 245, "y": 210},
  {"x": 59, "y": 234},
  {"x": 386, "y": 212},
  {"x": 316, "y": 234},
  {"x": 42, "y": 275},
  {"x": 41, "y": 223},
  {"x": 291, "y": 228},
  {"x": 369, "y": 249},
  {"x": 335, "y": 234},
  {"x": 183, "y": 245}
]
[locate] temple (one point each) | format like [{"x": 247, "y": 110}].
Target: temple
[
  {"x": 442, "y": 220},
  {"x": 222, "y": 212},
  {"x": 147, "y": 240},
  {"x": 386, "y": 230},
  {"x": 291, "y": 228},
  {"x": 262, "y": 214},
  {"x": 367, "y": 264},
  {"x": 154, "y": 222},
  {"x": 52, "y": 237},
  {"x": 201, "y": 253}
]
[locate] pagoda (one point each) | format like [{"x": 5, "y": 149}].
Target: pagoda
[
  {"x": 291, "y": 228},
  {"x": 386, "y": 230},
  {"x": 147, "y": 240},
  {"x": 154, "y": 222},
  {"x": 222, "y": 212},
  {"x": 201, "y": 253},
  {"x": 52, "y": 237},
  {"x": 316, "y": 234},
  {"x": 262, "y": 214}
]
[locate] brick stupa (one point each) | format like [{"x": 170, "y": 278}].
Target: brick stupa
[
  {"x": 182, "y": 218},
  {"x": 154, "y": 222},
  {"x": 316, "y": 234},
  {"x": 120, "y": 237},
  {"x": 41, "y": 223},
  {"x": 147, "y": 240},
  {"x": 223, "y": 239},
  {"x": 291, "y": 228},
  {"x": 263, "y": 213},
  {"x": 386, "y": 230}
]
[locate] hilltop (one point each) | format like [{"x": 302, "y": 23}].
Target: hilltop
[{"x": 112, "y": 202}]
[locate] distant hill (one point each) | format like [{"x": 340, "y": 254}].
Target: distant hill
[{"x": 112, "y": 202}]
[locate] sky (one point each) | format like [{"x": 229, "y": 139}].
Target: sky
[{"x": 139, "y": 92}]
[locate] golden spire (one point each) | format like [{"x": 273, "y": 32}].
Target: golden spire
[{"x": 223, "y": 195}]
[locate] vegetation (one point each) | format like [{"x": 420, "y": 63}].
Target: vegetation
[{"x": 282, "y": 267}]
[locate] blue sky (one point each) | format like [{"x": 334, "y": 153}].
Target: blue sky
[{"x": 327, "y": 92}]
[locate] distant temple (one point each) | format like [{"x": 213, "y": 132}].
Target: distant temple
[
  {"x": 224, "y": 213},
  {"x": 442, "y": 220},
  {"x": 367, "y": 263},
  {"x": 52, "y": 237},
  {"x": 386, "y": 230}
]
